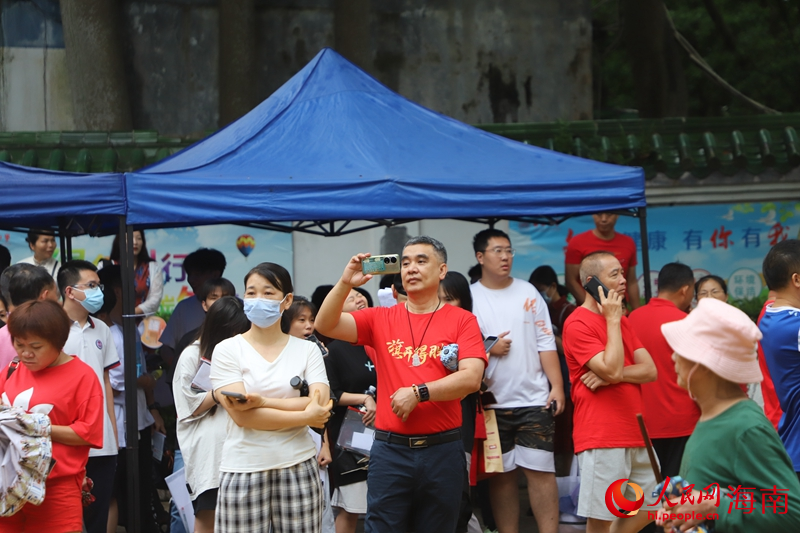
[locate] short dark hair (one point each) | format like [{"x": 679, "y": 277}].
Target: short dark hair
[
  {"x": 222, "y": 284},
  {"x": 111, "y": 277},
  {"x": 437, "y": 246},
  {"x": 205, "y": 260},
  {"x": 397, "y": 283},
  {"x": 224, "y": 320},
  {"x": 475, "y": 273},
  {"x": 455, "y": 285},
  {"x": 711, "y": 277},
  {"x": 5, "y": 258},
  {"x": 143, "y": 257},
  {"x": 387, "y": 280},
  {"x": 298, "y": 304},
  {"x": 44, "y": 319},
  {"x": 35, "y": 233},
  {"x": 26, "y": 283},
  {"x": 274, "y": 273},
  {"x": 70, "y": 273},
  {"x": 481, "y": 239},
  {"x": 674, "y": 276},
  {"x": 543, "y": 275},
  {"x": 319, "y": 294},
  {"x": 781, "y": 262},
  {"x": 365, "y": 293}
]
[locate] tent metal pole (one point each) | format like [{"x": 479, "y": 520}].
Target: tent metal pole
[
  {"x": 129, "y": 336},
  {"x": 62, "y": 245},
  {"x": 648, "y": 291},
  {"x": 68, "y": 257}
]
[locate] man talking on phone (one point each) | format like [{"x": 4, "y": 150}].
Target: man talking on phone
[
  {"x": 417, "y": 460},
  {"x": 524, "y": 375},
  {"x": 607, "y": 363}
]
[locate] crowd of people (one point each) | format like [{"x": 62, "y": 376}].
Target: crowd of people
[{"x": 269, "y": 389}]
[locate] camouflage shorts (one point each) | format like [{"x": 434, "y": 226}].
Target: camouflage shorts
[{"x": 528, "y": 427}]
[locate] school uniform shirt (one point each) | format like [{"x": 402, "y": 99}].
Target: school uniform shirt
[
  {"x": 51, "y": 265},
  {"x": 201, "y": 437},
  {"x": 668, "y": 410},
  {"x": 605, "y": 418},
  {"x": 187, "y": 316},
  {"x": 116, "y": 375},
  {"x": 70, "y": 395},
  {"x": 94, "y": 345},
  {"x": 403, "y": 359},
  {"x": 516, "y": 379},
  {"x": 251, "y": 450},
  {"x": 780, "y": 327}
]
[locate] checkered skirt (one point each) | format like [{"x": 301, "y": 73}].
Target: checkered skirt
[{"x": 290, "y": 500}]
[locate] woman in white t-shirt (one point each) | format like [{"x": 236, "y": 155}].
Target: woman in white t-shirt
[
  {"x": 202, "y": 426},
  {"x": 268, "y": 475}
]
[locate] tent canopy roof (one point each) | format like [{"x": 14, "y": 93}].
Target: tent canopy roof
[
  {"x": 333, "y": 144},
  {"x": 78, "y": 203}
]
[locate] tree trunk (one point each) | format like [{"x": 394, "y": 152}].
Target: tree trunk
[
  {"x": 351, "y": 25},
  {"x": 94, "y": 60},
  {"x": 237, "y": 36},
  {"x": 656, "y": 60}
]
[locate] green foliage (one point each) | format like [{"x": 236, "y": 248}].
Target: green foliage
[{"x": 760, "y": 58}]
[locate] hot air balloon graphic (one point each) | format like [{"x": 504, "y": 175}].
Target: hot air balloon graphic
[{"x": 245, "y": 243}]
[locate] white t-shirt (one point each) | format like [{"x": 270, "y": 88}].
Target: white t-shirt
[
  {"x": 188, "y": 315},
  {"x": 201, "y": 438},
  {"x": 253, "y": 450},
  {"x": 94, "y": 345},
  {"x": 516, "y": 379},
  {"x": 51, "y": 265},
  {"x": 116, "y": 376}
]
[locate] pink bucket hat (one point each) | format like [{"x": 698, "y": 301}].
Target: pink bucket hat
[{"x": 720, "y": 337}]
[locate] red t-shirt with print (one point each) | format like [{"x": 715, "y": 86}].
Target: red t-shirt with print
[
  {"x": 587, "y": 242},
  {"x": 605, "y": 418},
  {"x": 386, "y": 330},
  {"x": 668, "y": 410},
  {"x": 71, "y": 396}
]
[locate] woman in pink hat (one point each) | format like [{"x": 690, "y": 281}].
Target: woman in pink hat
[{"x": 733, "y": 444}]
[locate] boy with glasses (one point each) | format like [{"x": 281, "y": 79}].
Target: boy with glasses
[{"x": 91, "y": 341}]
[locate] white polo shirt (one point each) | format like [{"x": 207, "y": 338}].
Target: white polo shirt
[{"x": 94, "y": 345}]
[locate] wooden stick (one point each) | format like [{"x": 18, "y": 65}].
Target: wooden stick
[{"x": 649, "y": 445}]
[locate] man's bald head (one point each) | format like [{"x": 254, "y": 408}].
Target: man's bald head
[{"x": 593, "y": 265}]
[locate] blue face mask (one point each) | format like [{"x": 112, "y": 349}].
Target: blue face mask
[
  {"x": 94, "y": 299},
  {"x": 546, "y": 298},
  {"x": 262, "y": 312}
]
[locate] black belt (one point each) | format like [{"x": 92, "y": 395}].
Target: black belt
[{"x": 419, "y": 441}]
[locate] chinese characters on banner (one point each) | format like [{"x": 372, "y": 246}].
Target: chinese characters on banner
[{"x": 729, "y": 240}]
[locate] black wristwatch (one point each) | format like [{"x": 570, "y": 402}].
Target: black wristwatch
[
  {"x": 424, "y": 393},
  {"x": 154, "y": 405}
]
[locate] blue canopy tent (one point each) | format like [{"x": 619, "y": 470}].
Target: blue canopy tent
[{"x": 333, "y": 145}]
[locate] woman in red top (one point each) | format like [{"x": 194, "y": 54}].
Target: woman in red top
[{"x": 66, "y": 389}]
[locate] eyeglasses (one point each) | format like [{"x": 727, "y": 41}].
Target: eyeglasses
[
  {"x": 501, "y": 251},
  {"x": 713, "y": 292},
  {"x": 90, "y": 285}
]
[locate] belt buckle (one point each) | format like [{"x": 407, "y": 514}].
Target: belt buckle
[{"x": 418, "y": 442}]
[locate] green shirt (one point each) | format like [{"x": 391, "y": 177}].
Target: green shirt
[{"x": 739, "y": 447}]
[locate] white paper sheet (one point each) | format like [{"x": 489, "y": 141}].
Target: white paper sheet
[
  {"x": 363, "y": 441},
  {"x": 158, "y": 445},
  {"x": 180, "y": 496},
  {"x": 202, "y": 380}
]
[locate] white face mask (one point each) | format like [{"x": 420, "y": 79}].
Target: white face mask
[{"x": 263, "y": 312}]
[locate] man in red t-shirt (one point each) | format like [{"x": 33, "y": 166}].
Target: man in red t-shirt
[
  {"x": 601, "y": 238},
  {"x": 417, "y": 460},
  {"x": 670, "y": 414},
  {"x": 607, "y": 364}
]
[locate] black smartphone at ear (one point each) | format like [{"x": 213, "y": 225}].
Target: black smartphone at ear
[{"x": 593, "y": 287}]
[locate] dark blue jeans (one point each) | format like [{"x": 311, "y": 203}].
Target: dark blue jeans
[{"x": 423, "y": 482}]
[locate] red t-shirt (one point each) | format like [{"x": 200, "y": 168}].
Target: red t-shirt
[
  {"x": 71, "y": 396},
  {"x": 668, "y": 410},
  {"x": 772, "y": 407},
  {"x": 386, "y": 330},
  {"x": 587, "y": 242},
  {"x": 605, "y": 418}
]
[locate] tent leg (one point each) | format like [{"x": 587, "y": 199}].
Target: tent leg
[
  {"x": 129, "y": 335},
  {"x": 648, "y": 291},
  {"x": 62, "y": 245},
  {"x": 68, "y": 256}
]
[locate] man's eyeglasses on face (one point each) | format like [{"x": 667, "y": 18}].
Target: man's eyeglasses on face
[
  {"x": 90, "y": 285},
  {"x": 501, "y": 251}
]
